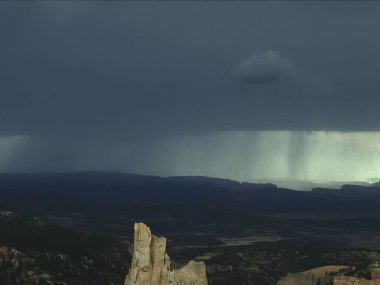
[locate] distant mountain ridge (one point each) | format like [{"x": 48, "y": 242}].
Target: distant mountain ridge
[{"x": 108, "y": 198}]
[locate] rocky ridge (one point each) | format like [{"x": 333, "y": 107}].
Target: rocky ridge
[
  {"x": 151, "y": 264},
  {"x": 36, "y": 251}
]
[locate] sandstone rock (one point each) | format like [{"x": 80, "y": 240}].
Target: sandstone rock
[
  {"x": 151, "y": 265},
  {"x": 304, "y": 279},
  {"x": 194, "y": 273},
  {"x": 316, "y": 276}
]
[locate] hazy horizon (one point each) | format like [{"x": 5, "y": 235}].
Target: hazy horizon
[{"x": 299, "y": 160}]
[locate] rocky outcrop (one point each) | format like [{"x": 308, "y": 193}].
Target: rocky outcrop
[
  {"x": 35, "y": 251},
  {"x": 304, "y": 279},
  {"x": 193, "y": 273},
  {"x": 151, "y": 265},
  {"x": 316, "y": 276},
  {"x": 17, "y": 268}
]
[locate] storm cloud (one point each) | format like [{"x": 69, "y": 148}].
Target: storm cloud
[
  {"x": 265, "y": 68},
  {"x": 102, "y": 75},
  {"x": 126, "y": 70}
]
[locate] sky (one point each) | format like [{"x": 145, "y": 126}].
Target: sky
[{"x": 260, "y": 90}]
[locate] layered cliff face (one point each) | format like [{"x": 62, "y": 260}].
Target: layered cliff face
[
  {"x": 304, "y": 279},
  {"x": 316, "y": 276},
  {"x": 151, "y": 265}
]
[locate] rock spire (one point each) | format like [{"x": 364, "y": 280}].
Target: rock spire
[{"x": 151, "y": 265}]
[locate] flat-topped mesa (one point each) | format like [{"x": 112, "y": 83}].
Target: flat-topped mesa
[{"x": 151, "y": 265}]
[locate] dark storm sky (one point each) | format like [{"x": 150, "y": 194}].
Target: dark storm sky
[
  {"x": 131, "y": 72},
  {"x": 128, "y": 69}
]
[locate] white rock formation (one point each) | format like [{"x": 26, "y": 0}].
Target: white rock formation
[{"x": 151, "y": 265}]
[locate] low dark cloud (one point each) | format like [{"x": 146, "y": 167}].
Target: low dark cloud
[
  {"x": 265, "y": 68},
  {"x": 278, "y": 76}
]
